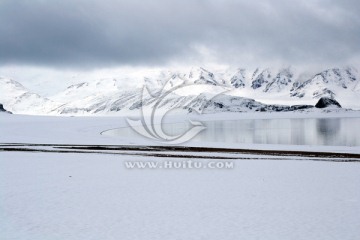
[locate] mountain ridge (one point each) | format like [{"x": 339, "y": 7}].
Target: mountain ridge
[{"x": 108, "y": 96}]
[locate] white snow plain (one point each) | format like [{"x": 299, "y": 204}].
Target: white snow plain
[{"x": 79, "y": 196}]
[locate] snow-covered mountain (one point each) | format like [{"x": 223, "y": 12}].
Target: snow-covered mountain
[
  {"x": 88, "y": 89},
  {"x": 202, "y": 76},
  {"x": 281, "y": 81},
  {"x": 328, "y": 83},
  {"x": 238, "y": 79},
  {"x": 260, "y": 78},
  {"x": 274, "y": 87},
  {"x": 18, "y": 99}
]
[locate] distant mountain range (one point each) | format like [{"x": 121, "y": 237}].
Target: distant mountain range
[{"x": 246, "y": 91}]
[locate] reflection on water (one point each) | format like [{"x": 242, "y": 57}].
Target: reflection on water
[
  {"x": 326, "y": 131},
  {"x": 328, "y": 127}
]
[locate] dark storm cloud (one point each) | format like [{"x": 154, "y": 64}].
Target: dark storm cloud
[{"x": 89, "y": 33}]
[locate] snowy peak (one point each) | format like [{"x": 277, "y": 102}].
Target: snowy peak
[
  {"x": 195, "y": 76},
  {"x": 327, "y": 83},
  {"x": 17, "y": 98},
  {"x": 283, "y": 79},
  {"x": 86, "y": 89},
  {"x": 11, "y": 86},
  {"x": 336, "y": 76},
  {"x": 165, "y": 79},
  {"x": 10, "y": 90},
  {"x": 238, "y": 80},
  {"x": 261, "y": 79},
  {"x": 200, "y": 75}
]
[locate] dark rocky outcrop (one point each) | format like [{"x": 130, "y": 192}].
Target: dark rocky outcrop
[
  {"x": 283, "y": 108},
  {"x": 325, "y": 102},
  {"x": 2, "y": 109}
]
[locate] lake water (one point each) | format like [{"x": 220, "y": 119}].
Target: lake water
[{"x": 317, "y": 131}]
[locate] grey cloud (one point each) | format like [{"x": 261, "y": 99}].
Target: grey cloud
[{"x": 91, "y": 33}]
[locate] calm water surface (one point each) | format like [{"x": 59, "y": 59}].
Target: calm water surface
[{"x": 319, "y": 131}]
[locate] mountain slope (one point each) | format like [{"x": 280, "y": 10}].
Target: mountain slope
[
  {"x": 261, "y": 79},
  {"x": 282, "y": 80},
  {"x": 85, "y": 89}
]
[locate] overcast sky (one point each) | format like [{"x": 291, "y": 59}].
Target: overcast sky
[
  {"x": 98, "y": 33},
  {"x": 83, "y": 35}
]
